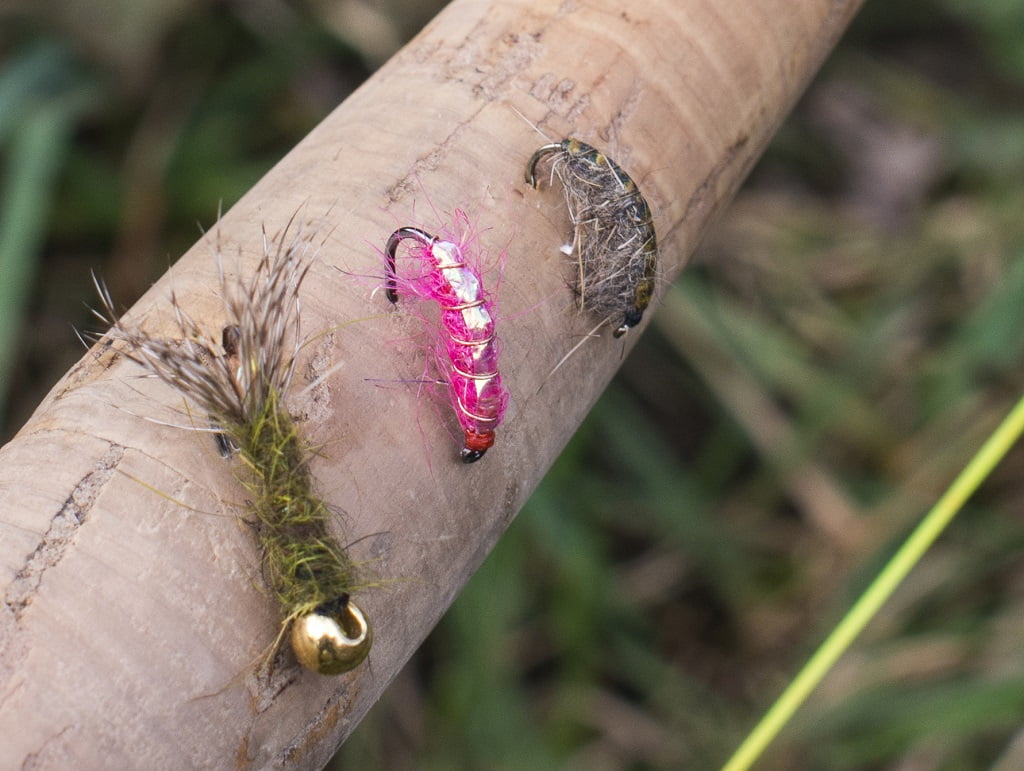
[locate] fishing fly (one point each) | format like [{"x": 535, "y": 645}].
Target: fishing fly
[
  {"x": 614, "y": 239},
  {"x": 242, "y": 384},
  {"x": 468, "y": 348}
]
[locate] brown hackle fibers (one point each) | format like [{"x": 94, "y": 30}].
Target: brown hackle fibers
[{"x": 241, "y": 382}]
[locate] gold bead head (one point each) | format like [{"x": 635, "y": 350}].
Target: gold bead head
[{"x": 333, "y": 638}]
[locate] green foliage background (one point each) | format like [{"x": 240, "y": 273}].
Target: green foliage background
[{"x": 836, "y": 352}]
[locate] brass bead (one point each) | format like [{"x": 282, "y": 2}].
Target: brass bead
[{"x": 332, "y": 639}]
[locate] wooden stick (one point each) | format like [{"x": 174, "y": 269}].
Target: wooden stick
[{"x": 133, "y": 620}]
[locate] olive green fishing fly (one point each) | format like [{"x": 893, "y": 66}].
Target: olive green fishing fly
[
  {"x": 614, "y": 237},
  {"x": 242, "y": 383}
]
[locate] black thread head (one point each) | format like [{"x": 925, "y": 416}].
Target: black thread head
[{"x": 471, "y": 456}]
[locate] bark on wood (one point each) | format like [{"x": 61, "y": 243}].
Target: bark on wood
[{"x": 131, "y": 623}]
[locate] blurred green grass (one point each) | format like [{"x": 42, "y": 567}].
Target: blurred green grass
[{"x": 836, "y": 352}]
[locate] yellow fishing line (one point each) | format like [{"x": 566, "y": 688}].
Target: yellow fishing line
[{"x": 980, "y": 466}]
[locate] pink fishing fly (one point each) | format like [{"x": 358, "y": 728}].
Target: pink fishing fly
[{"x": 468, "y": 350}]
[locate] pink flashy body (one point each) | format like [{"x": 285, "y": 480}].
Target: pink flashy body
[{"x": 468, "y": 349}]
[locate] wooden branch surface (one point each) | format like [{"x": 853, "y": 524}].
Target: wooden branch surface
[{"x": 132, "y": 624}]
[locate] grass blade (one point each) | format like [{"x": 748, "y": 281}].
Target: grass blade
[{"x": 916, "y": 545}]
